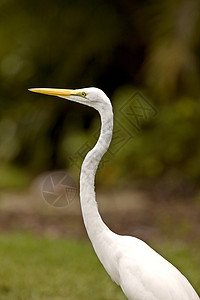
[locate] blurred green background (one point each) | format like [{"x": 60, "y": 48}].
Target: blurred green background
[
  {"x": 151, "y": 46},
  {"x": 125, "y": 48}
]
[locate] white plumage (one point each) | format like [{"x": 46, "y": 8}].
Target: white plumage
[{"x": 140, "y": 271}]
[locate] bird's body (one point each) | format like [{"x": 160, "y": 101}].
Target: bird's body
[{"x": 140, "y": 271}]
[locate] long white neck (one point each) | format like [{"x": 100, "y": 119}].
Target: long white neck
[
  {"x": 102, "y": 238},
  {"x": 95, "y": 227}
]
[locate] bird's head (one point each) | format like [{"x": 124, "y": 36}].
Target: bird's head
[{"x": 93, "y": 97}]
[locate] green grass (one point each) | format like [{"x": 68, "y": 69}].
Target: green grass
[{"x": 41, "y": 268}]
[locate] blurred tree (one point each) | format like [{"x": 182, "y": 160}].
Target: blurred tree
[{"x": 152, "y": 45}]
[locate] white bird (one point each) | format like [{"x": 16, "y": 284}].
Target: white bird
[{"x": 140, "y": 271}]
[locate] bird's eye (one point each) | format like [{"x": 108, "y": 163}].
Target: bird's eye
[{"x": 83, "y": 94}]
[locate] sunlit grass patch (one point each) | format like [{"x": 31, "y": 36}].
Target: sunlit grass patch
[{"x": 45, "y": 268}]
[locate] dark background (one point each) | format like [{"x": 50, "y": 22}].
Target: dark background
[{"x": 120, "y": 47}]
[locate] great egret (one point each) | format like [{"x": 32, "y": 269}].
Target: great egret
[{"x": 140, "y": 271}]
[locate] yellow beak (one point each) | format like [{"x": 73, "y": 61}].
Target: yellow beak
[{"x": 54, "y": 92}]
